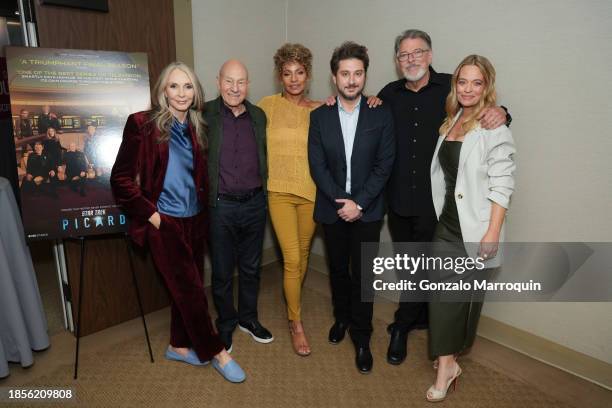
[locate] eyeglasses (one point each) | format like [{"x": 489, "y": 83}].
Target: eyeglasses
[{"x": 416, "y": 54}]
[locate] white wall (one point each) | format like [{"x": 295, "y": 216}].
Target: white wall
[
  {"x": 552, "y": 59},
  {"x": 250, "y": 31}
]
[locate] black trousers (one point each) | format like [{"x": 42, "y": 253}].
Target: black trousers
[
  {"x": 411, "y": 229},
  {"x": 236, "y": 238},
  {"x": 343, "y": 244}
]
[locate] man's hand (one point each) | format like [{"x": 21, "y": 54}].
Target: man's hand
[
  {"x": 373, "y": 101},
  {"x": 349, "y": 211},
  {"x": 29, "y": 177},
  {"x": 82, "y": 174},
  {"x": 52, "y": 173},
  {"x": 492, "y": 118}
]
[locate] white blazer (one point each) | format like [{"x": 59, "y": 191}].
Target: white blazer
[{"x": 485, "y": 175}]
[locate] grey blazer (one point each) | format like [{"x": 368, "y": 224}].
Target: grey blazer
[{"x": 485, "y": 175}]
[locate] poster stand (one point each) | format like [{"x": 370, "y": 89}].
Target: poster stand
[{"x": 78, "y": 325}]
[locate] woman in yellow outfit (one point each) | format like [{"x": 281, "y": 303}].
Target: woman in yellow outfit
[{"x": 291, "y": 191}]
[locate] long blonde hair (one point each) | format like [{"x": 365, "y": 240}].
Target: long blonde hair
[
  {"x": 163, "y": 117},
  {"x": 487, "y": 100}
]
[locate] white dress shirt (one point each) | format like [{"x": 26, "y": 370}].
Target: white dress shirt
[{"x": 348, "y": 123}]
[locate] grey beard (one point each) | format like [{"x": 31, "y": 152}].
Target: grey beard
[{"x": 418, "y": 76}]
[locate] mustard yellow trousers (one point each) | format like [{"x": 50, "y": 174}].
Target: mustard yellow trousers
[{"x": 291, "y": 217}]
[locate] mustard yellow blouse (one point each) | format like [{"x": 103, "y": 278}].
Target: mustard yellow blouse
[{"x": 287, "y": 139}]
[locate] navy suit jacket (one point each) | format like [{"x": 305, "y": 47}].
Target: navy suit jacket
[{"x": 371, "y": 161}]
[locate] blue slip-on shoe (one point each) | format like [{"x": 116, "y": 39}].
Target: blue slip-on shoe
[
  {"x": 190, "y": 358},
  {"x": 231, "y": 371}
]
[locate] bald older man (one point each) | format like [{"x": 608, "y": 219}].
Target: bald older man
[{"x": 237, "y": 169}]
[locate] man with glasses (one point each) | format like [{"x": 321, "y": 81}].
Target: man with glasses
[{"x": 417, "y": 103}]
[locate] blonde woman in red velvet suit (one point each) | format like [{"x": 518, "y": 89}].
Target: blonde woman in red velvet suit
[{"x": 159, "y": 178}]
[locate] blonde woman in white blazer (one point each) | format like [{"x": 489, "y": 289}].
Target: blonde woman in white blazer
[{"x": 471, "y": 181}]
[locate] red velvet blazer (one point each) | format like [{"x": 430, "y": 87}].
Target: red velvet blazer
[{"x": 137, "y": 178}]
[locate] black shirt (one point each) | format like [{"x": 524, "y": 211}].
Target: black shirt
[
  {"x": 38, "y": 165},
  {"x": 53, "y": 150},
  {"x": 75, "y": 163},
  {"x": 45, "y": 122},
  {"x": 418, "y": 117},
  {"x": 25, "y": 128}
]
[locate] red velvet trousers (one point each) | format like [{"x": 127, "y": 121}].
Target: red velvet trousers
[{"x": 177, "y": 249}]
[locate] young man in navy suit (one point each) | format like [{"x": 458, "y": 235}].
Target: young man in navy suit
[{"x": 351, "y": 149}]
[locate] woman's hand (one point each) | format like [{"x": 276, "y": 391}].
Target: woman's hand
[
  {"x": 330, "y": 100},
  {"x": 155, "y": 219},
  {"x": 489, "y": 245}
]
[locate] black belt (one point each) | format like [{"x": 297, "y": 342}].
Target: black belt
[{"x": 241, "y": 198}]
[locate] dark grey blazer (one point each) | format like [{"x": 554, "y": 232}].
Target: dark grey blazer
[{"x": 371, "y": 161}]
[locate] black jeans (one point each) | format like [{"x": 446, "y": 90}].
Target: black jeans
[
  {"x": 411, "y": 229},
  {"x": 343, "y": 244},
  {"x": 236, "y": 238}
]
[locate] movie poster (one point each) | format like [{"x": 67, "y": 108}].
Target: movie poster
[
  {"x": 5, "y": 107},
  {"x": 68, "y": 109}
]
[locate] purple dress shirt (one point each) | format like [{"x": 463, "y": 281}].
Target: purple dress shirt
[{"x": 238, "y": 161}]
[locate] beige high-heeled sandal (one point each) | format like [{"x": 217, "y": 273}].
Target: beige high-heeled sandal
[
  {"x": 435, "y": 395},
  {"x": 299, "y": 341}
]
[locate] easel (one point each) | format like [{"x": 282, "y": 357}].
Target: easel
[{"x": 78, "y": 325}]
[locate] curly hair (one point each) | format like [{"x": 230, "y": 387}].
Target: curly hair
[{"x": 293, "y": 53}]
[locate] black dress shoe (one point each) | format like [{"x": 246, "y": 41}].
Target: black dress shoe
[
  {"x": 337, "y": 332},
  {"x": 396, "y": 353},
  {"x": 415, "y": 326},
  {"x": 363, "y": 359}
]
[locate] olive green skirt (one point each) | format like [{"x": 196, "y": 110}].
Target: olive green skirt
[{"x": 452, "y": 325}]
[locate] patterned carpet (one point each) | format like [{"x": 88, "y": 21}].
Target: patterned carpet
[{"x": 276, "y": 377}]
